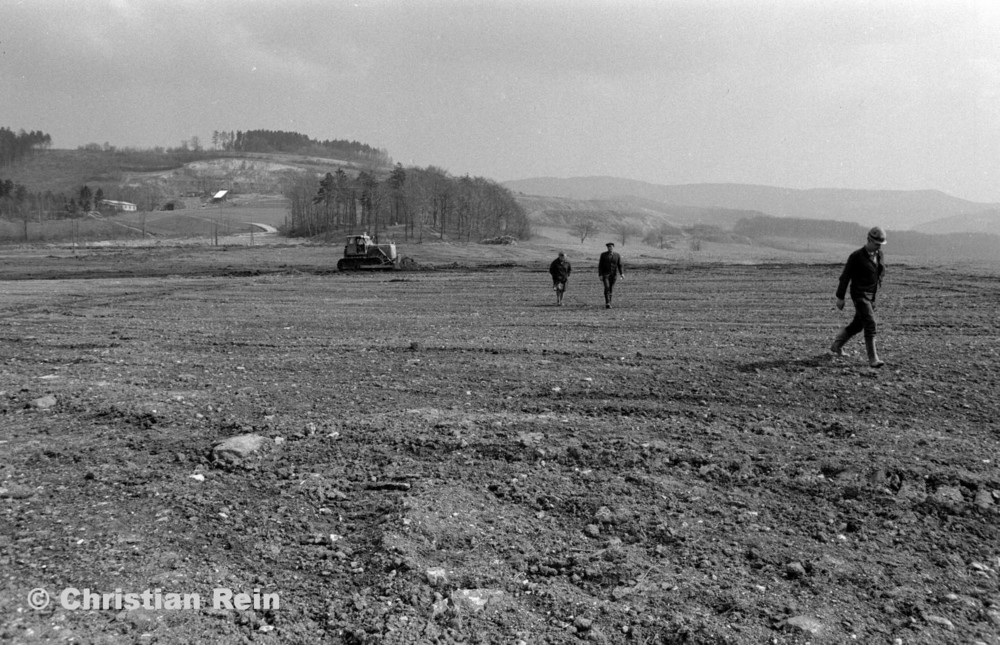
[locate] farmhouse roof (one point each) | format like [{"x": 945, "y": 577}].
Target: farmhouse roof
[
  {"x": 220, "y": 194},
  {"x": 119, "y": 205}
]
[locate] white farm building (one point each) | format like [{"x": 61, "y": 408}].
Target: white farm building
[{"x": 117, "y": 205}]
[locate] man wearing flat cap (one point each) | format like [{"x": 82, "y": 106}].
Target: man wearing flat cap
[
  {"x": 863, "y": 272},
  {"x": 610, "y": 268}
]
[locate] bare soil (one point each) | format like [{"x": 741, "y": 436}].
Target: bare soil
[{"x": 451, "y": 458}]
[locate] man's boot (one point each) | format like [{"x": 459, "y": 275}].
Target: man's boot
[
  {"x": 873, "y": 358},
  {"x": 837, "y": 348}
]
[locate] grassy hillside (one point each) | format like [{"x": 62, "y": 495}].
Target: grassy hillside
[
  {"x": 151, "y": 180},
  {"x": 910, "y": 243},
  {"x": 64, "y": 171},
  {"x": 694, "y": 227},
  {"x": 647, "y": 213},
  {"x": 987, "y": 221},
  {"x": 890, "y": 208},
  {"x": 159, "y": 176}
]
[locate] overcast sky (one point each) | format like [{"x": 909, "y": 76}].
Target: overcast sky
[{"x": 799, "y": 94}]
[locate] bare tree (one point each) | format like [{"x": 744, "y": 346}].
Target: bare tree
[
  {"x": 661, "y": 234},
  {"x": 418, "y": 199},
  {"x": 304, "y": 210},
  {"x": 584, "y": 229},
  {"x": 625, "y": 230}
]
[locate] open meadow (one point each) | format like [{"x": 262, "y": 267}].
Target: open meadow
[
  {"x": 193, "y": 222},
  {"x": 444, "y": 456}
]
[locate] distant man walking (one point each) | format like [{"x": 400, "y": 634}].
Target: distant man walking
[
  {"x": 560, "y": 270},
  {"x": 863, "y": 272},
  {"x": 610, "y": 268}
]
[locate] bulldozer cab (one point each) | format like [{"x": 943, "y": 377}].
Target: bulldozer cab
[{"x": 358, "y": 244}]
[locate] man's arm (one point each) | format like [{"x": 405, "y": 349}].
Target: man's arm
[{"x": 845, "y": 279}]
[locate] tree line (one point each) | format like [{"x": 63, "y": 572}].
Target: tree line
[
  {"x": 17, "y": 202},
  {"x": 16, "y": 146},
  {"x": 763, "y": 226},
  {"x": 296, "y": 143},
  {"x": 419, "y": 201}
]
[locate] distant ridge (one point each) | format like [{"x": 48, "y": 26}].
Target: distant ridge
[
  {"x": 896, "y": 209},
  {"x": 983, "y": 222}
]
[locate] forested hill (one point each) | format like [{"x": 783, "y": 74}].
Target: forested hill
[
  {"x": 298, "y": 144},
  {"x": 968, "y": 246}
]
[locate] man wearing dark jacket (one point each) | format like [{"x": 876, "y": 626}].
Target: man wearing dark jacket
[
  {"x": 863, "y": 272},
  {"x": 609, "y": 268},
  {"x": 560, "y": 270}
]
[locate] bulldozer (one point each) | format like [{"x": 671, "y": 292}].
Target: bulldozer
[{"x": 361, "y": 252}]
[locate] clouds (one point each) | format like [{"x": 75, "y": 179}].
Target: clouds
[{"x": 819, "y": 94}]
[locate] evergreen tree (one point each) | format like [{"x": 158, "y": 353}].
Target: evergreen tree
[{"x": 85, "y": 199}]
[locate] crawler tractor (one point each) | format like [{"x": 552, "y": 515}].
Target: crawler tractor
[{"x": 362, "y": 252}]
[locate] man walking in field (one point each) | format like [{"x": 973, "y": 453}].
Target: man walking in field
[
  {"x": 863, "y": 272},
  {"x": 610, "y": 268},
  {"x": 560, "y": 270}
]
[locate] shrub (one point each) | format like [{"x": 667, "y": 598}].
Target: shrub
[{"x": 503, "y": 239}]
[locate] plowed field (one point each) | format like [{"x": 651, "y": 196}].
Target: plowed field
[{"x": 448, "y": 457}]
